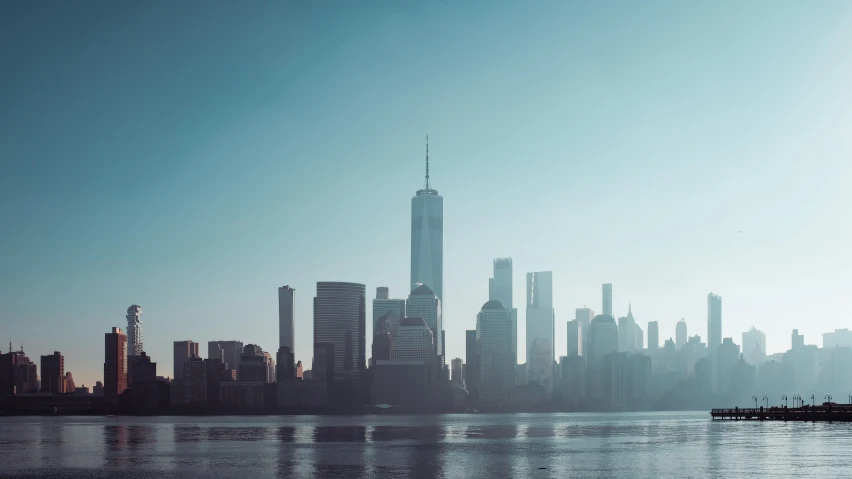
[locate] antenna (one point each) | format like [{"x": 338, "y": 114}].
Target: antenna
[{"x": 427, "y": 161}]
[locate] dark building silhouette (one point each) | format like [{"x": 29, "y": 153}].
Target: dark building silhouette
[
  {"x": 340, "y": 320},
  {"x": 115, "y": 365},
  {"x": 471, "y": 377},
  {"x": 53, "y": 373},
  {"x": 253, "y": 365},
  {"x": 286, "y": 364},
  {"x": 381, "y": 346},
  {"x": 140, "y": 369},
  {"x": 8, "y": 364},
  {"x": 217, "y": 372}
]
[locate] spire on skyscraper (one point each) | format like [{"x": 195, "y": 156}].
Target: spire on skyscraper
[{"x": 427, "y": 162}]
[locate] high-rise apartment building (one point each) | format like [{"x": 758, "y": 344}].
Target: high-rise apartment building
[
  {"x": 183, "y": 350},
  {"x": 575, "y": 338},
  {"x": 653, "y": 335},
  {"x": 423, "y": 303},
  {"x": 427, "y": 237},
  {"x": 414, "y": 341},
  {"x": 286, "y": 317},
  {"x": 115, "y": 364},
  {"x": 540, "y": 329},
  {"x": 53, "y": 373},
  {"x": 340, "y": 329},
  {"x": 607, "y": 299},
  {"x": 134, "y": 330},
  {"x": 680, "y": 334},
  {"x": 495, "y": 359},
  {"x": 500, "y": 288}
]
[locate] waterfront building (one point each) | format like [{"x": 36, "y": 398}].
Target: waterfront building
[{"x": 340, "y": 329}]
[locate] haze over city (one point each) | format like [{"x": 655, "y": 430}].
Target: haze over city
[{"x": 193, "y": 161}]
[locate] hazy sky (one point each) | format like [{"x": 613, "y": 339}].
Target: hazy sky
[{"x": 191, "y": 157}]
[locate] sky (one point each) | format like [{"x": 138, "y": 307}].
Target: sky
[{"x": 191, "y": 157}]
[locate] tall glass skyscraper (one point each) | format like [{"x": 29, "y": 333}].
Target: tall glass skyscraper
[
  {"x": 500, "y": 288},
  {"x": 540, "y": 326},
  {"x": 607, "y": 299},
  {"x": 495, "y": 359},
  {"x": 340, "y": 329},
  {"x": 286, "y": 315},
  {"x": 427, "y": 237}
]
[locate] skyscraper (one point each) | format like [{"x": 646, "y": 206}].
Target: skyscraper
[
  {"x": 607, "y": 299},
  {"x": 228, "y": 351},
  {"x": 638, "y": 344},
  {"x": 115, "y": 364},
  {"x": 53, "y": 373},
  {"x": 495, "y": 358},
  {"x": 627, "y": 332},
  {"x": 423, "y": 303},
  {"x": 603, "y": 340},
  {"x": 584, "y": 315},
  {"x": 134, "y": 330},
  {"x": 340, "y": 329},
  {"x": 383, "y": 305},
  {"x": 575, "y": 338},
  {"x": 500, "y": 288},
  {"x": 456, "y": 370},
  {"x": 286, "y": 317},
  {"x": 427, "y": 237},
  {"x": 540, "y": 329},
  {"x": 471, "y": 367},
  {"x": 714, "y": 335},
  {"x": 183, "y": 350},
  {"x": 754, "y": 346},
  {"x": 653, "y": 335},
  {"x": 414, "y": 341},
  {"x": 680, "y": 334}
]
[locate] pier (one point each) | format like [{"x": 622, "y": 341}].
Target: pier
[{"x": 827, "y": 412}]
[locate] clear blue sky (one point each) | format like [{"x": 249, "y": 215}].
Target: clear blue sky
[{"x": 193, "y": 156}]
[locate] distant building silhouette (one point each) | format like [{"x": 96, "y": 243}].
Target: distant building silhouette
[
  {"x": 456, "y": 370},
  {"x": 840, "y": 337},
  {"x": 494, "y": 355},
  {"x": 603, "y": 339},
  {"x": 584, "y": 316},
  {"x": 134, "y": 330},
  {"x": 183, "y": 350},
  {"x": 540, "y": 329},
  {"x": 340, "y": 321},
  {"x": 286, "y": 318},
  {"x": 607, "y": 299},
  {"x": 228, "y": 351},
  {"x": 471, "y": 366},
  {"x": 680, "y": 334},
  {"x": 638, "y": 343},
  {"x": 627, "y": 332},
  {"x": 53, "y": 373},
  {"x": 754, "y": 346},
  {"x": 714, "y": 334},
  {"x": 653, "y": 335},
  {"x": 115, "y": 365},
  {"x": 575, "y": 338}
]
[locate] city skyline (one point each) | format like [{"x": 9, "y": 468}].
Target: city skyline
[{"x": 267, "y": 169}]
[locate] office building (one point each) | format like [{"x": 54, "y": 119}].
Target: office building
[
  {"x": 838, "y": 338},
  {"x": 639, "y": 343},
  {"x": 495, "y": 359},
  {"x": 603, "y": 340},
  {"x": 540, "y": 329},
  {"x": 653, "y": 335},
  {"x": 471, "y": 367},
  {"x": 192, "y": 387},
  {"x": 53, "y": 373},
  {"x": 427, "y": 237},
  {"x": 500, "y": 288},
  {"x": 387, "y": 310},
  {"x": 575, "y": 338},
  {"x": 754, "y": 346},
  {"x": 115, "y": 364},
  {"x": 584, "y": 315},
  {"x": 183, "y": 350},
  {"x": 680, "y": 334},
  {"x": 140, "y": 369},
  {"x": 254, "y": 365},
  {"x": 714, "y": 335},
  {"x": 286, "y": 318},
  {"x": 340, "y": 329},
  {"x": 727, "y": 355},
  {"x": 414, "y": 342},
  {"x": 607, "y": 299},
  {"x": 457, "y": 370},
  {"x": 423, "y": 303},
  {"x": 228, "y": 351},
  {"x": 627, "y": 332},
  {"x": 134, "y": 330}
]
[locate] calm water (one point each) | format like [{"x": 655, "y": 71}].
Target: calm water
[{"x": 454, "y": 446}]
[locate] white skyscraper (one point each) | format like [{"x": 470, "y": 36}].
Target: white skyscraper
[
  {"x": 134, "y": 330},
  {"x": 540, "y": 328},
  {"x": 286, "y": 315},
  {"x": 494, "y": 356},
  {"x": 500, "y": 288},
  {"x": 427, "y": 237},
  {"x": 423, "y": 303}
]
